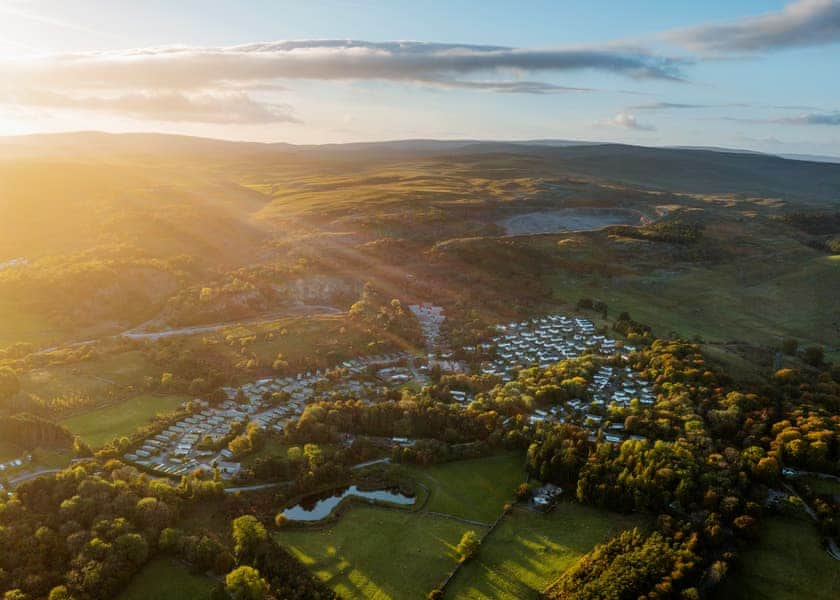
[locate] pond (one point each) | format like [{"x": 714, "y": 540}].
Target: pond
[
  {"x": 570, "y": 219},
  {"x": 319, "y": 506}
]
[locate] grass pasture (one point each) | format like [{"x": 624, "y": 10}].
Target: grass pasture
[
  {"x": 529, "y": 550},
  {"x": 99, "y": 426},
  {"x": 736, "y": 301},
  {"x": 89, "y": 378},
  {"x": 471, "y": 489},
  {"x": 20, "y": 325},
  {"x": 377, "y": 553},
  {"x": 163, "y": 579},
  {"x": 822, "y": 486},
  {"x": 787, "y": 563}
]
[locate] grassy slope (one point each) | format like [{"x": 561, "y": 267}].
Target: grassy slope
[
  {"x": 89, "y": 377},
  {"x": 162, "y": 579},
  {"x": 787, "y": 563},
  {"x": 100, "y": 426},
  {"x": 8, "y": 451},
  {"x": 330, "y": 336},
  {"x": 377, "y": 553},
  {"x": 472, "y": 489},
  {"x": 716, "y": 304},
  {"x": 19, "y": 325},
  {"x": 529, "y": 550}
]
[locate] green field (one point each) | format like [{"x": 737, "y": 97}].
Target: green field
[
  {"x": 374, "y": 552},
  {"x": 472, "y": 489},
  {"x": 162, "y": 579},
  {"x": 271, "y": 449},
  {"x": 722, "y": 304},
  {"x": 823, "y": 486},
  {"x": 787, "y": 563},
  {"x": 89, "y": 378},
  {"x": 97, "y": 427},
  {"x": 20, "y": 325},
  {"x": 531, "y": 549},
  {"x": 377, "y": 553}
]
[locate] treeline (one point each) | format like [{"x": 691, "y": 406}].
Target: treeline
[
  {"x": 105, "y": 283},
  {"x": 675, "y": 231},
  {"x": 29, "y": 431},
  {"x": 86, "y": 530},
  {"x": 387, "y": 318},
  {"x": 814, "y": 223},
  {"x": 633, "y": 565},
  {"x": 822, "y": 228},
  {"x": 410, "y": 418},
  {"x": 256, "y": 567}
]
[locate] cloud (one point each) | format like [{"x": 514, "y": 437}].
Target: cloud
[
  {"x": 193, "y": 68},
  {"x": 831, "y": 118},
  {"x": 811, "y": 119},
  {"x": 626, "y": 121},
  {"x": 513, "y": 87},
  {"x": 678, "y": 105},
  {"x": 226, "y": 108},
  {"x": 220, "y": 84},
  {"x": 802, "y": 23}
]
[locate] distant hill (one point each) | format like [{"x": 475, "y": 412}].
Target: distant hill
[{"x": 692, "y": 170}]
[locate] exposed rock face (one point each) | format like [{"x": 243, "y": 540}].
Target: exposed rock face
[{"x": 320, "y": 289}]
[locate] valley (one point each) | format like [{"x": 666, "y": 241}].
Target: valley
[{"x": 498, "y": 362}]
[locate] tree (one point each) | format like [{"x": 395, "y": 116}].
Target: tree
[
  {"x": 60, "y": 593},
  {"x": 523, "y": 492},
  {"x": 245, "y": 583},
  {"x": 468, "y": 546},
  {"x": 132, "y": 547},
  {"x": 166, "y": 380},
  {"x": 9, "y": 384},
  {"x": 81, "y": 449},
  {"x": 789, "y": 346},
  {"x": 813, "y": 355},
  {"x": 248, "y": 534}
]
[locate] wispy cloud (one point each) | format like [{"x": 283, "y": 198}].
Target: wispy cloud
[
  {"x": 225, "y": 108},
  {"x": 24, "y": 13},
  {"x": 810, "y": 119},
  {"x": 680, "y": 105},
  {"x": 203, "y": 83},
  {"x": 802, "y": 23},
  {"x": 513, "y": 87},
  {"x": 196, "y": 67},
  {"x": 626, "y": 121}
]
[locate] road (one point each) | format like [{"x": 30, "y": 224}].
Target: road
[
  {"x": 140, "y": 332},
  {"x": 370, "y": 463},
  {"x": 252, "y": 488},
  {"x": 15, "y": 481}
]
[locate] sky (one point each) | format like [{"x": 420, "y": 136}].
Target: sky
[{"x": 760, "y": 75}]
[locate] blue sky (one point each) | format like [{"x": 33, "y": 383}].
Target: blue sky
[{"x": 747, "y": 74}]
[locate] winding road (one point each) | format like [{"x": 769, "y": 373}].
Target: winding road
[{"x": 141, "y": 331}]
